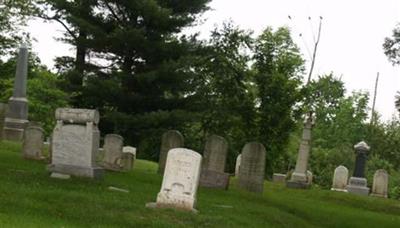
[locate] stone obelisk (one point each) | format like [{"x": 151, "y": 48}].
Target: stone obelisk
[
  {"x": 299, "y": 178},
  {"x": 17, "y": 113}
]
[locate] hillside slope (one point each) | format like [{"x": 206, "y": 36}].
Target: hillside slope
[{"x": 29, "y": 198}]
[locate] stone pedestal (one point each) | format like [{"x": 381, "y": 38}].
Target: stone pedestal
[
  {"x": 299, "y": 178},
  {"x": 279, "y": 178},
  {"x": 17, "y": 113},
  {"x": 358, "y": 183},
  {"x": 75, "y": 143}
]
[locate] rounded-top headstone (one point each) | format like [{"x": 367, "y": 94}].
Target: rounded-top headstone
[
  {"x": 169, "y": 140},
  {"x": 215, "y": 152},
  {"x": 113, "y": 145},
  {"x": 380, "y": 184},
  {"x": 252, "y": 167},
  {"x": 340, "y": 178},
  {"x": 32, "y": 145}
]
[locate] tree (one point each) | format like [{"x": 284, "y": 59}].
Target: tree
[{"x": 278, "y": 68}]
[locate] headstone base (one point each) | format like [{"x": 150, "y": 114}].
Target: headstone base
[
  {"x": 214, "y": 179},
  {"x": 79, "y": 171},
  {"x": 358, "y": 186},
  {"x": 60, "y": 176},
  {"x": 155, "y": 205},
  {"x": 279, "y": 178},
  {"x": 28, "y": 157},
  {"x": 170, "y": 200},
  {"x": 339, "y": 190},
  {"x": 378, "y": 195},
  {"x": 298, "y": 184},
  {"x": 112, "y": 167}
]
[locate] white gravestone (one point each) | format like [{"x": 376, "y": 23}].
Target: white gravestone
[
  {"x": 237, "y": 166},
  {"x": 75, "y": 143},
  {"x": 340, "y": 179},
  {"x": 32, "y": 145},
  {"x": 128, "y": 157},
  {"x": 181, "y": 180},
  {"x": 113, "y": 152},
  {"x": 380, "y": 184}
]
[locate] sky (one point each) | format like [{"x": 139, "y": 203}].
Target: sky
[{"x": 351, "y": 41}]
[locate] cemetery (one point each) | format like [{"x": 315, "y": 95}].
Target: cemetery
[{"x": 226, "y": 132}]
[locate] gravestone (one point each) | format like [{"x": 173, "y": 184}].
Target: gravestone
[
  {"x": 113, "y": 144},
  {"x": 3, "y": 108},
  {"x": 309, "y": 177},
  {"x": 340, "y": 178},
  {"x": 17, "y": 112},
  {"x": 32, "y": 145},
  {"x": 213, "y": 165},
  {"x": 380, "y": 184},
  {"x": 252, "y": 167},
  {"x": 128, "y": 157},
  {"x": 358, "y": 182},
  {"x": 181, "y": 180},
  {"x": 299, "y": 178},
  {"x": 237, "y": 165},
  {"x": 169, "y": 140},
  {"x": 75, "y": 143},
  {"x": 279, "y": 178}
]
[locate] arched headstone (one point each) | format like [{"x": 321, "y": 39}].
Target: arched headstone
[
  {"x": 113, "y": 144},
  {"x": 169, "y": 140},
  {"x": 340, "y": 179},
  {"x": 32, "y": 146},
  {"x": 380, "y": 184},
  {"x": 181, "y": 180},
  {"x": 252, "y": 167}
]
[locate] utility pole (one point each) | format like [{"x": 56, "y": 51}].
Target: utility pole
[{"x": 373, "y": 102}]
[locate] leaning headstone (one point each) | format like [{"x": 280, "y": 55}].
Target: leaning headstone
[
  {"x": 75, "y": 143},
  {"x": 380, "y": 184},
  {"x": 169, "y": 140},
  {"x": 128, "y": 157},
  {"x": 252, "y": 167},
  {"x": 279, "y": 178},
  {"x": 32, "y": 146},
  {"x": 17, "y": 112},
  {"x": 181, "y": 180},
  {"x": 340, "y": 178},
  {"x": 3, "y": 108},
  {"x": 299, "y": 178},
  {"x": 358, "y": 182},
  {"x": 113, "y": 144},
  {"x": 237, "y": 165},
  {"x": 213, "y": 165}
]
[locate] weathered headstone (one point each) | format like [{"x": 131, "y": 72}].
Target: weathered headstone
[
  {"x": 380, "y": 184},
  {"x": 279, "y": 178},
  {"x": 169, "y": 140},
  {"x": 309, "y": 177},
  {"x": 237, "y": 165},
  {"x": 358, "y": 182},
  {"x": 113, "y": 152},
  {"x": 340, "y": 178},
  {"x": 128, "y": 157},
  {"x": 252, "y": 167},
  {"x": 75, "y": 143},
  {"x": 181, "y": 180},
  {"x": 17, "y": 112},
  {"x": 3, "y": 108},
  {"x": 299, "y": 178},
  {"x": 32, "y": 146},
  {"x": 213, "y": 165}
]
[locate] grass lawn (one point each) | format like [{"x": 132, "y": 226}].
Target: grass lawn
[{"x": 29, "y": 198}]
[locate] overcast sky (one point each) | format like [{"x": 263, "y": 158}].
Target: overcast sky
[{"x": 351, "y": 40}]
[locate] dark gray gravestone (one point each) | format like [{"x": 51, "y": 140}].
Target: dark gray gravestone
[
  {"x": 252, "y": 167},
  {"x": 213, "y": 165},
  {"x": 358, "y": 183},
  {"x": 169, "y": 140},
  {"x": 17, "y": 113}
]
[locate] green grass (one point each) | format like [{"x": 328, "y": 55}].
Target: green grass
[{"x": 29, "y": 198}]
